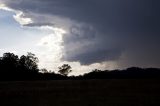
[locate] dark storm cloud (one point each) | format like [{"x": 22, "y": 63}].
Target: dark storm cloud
[
  {"x": 86, "y": 45},
  {"x": 103, "y": 29}
]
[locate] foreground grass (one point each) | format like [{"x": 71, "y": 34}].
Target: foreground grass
[{"x": 111, "y": 92}]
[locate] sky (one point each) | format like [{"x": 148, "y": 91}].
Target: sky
[{"x": 87, "y": 34}]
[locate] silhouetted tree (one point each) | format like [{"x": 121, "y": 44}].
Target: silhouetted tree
[
  {"x": 29, "y": 62},
  {"x": 96, "y": 70},
  {"x": 43, "y": 70},
  {"x": 9, "y": 62},
  {"x": 65, "y": 69}
]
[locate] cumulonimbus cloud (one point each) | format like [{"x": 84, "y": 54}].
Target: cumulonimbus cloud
[{"x": 98, "y": 30}]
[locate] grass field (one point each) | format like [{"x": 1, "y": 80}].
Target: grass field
[{"x": 111, "y": 92}]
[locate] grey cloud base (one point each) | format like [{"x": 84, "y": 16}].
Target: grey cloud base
[{"x": 101, "y": 30}]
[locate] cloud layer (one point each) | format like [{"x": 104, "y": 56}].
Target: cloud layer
[{"x": 124, "y": 31}]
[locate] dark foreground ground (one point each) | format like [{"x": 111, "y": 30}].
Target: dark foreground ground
[{"x": 111, "y": 92}]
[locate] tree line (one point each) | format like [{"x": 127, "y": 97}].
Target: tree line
[{"x": 25, "y": 67}]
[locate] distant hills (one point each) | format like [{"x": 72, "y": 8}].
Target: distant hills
[{"x": 132, "y": 72}]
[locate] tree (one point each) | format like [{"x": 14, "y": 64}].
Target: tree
[
  {"x": 43, "y": 70},
  {"x": 29, "y": 62},
  {"x": 65, "y": 69},
  {"x": 96, "y": 70},
  {"x": 9, "y": 61}
]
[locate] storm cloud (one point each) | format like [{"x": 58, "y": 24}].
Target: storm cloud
[{"x": 124, "y": 31}]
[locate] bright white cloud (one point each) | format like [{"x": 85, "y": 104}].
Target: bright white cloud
[
  {"x": 19, "y": 17},
  {"x": 4, "y": 7}
]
